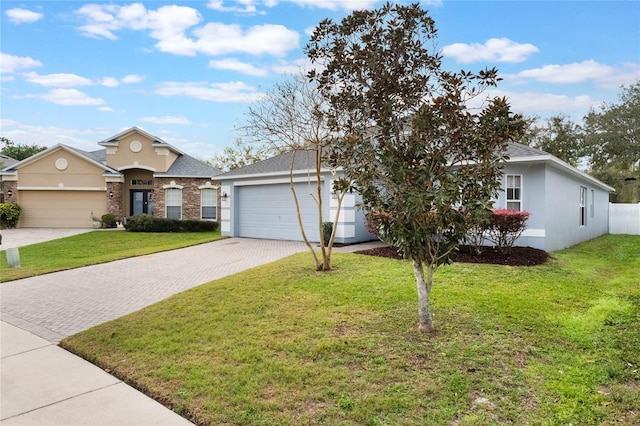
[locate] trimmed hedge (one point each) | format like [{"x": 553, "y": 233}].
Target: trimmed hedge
[
  {"x": 146, "y": 223},
  {"x": 9, "y": 215}
]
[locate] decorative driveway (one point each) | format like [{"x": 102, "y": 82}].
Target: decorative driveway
[{"x": 60, "y": 304}]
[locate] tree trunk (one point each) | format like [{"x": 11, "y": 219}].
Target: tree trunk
[{"x": 425, "y": 323}]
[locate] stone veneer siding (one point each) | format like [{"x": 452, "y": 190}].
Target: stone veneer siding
[
  {"x": 13, "y": 187},
  {"x": 190, "y": 196},
  {"x": 115, "y": 203}
]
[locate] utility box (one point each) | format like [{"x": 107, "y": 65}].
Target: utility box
[{"x": 13, "y": 257}]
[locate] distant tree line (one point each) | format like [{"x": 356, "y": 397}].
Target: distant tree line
[{"x": 606, "y": 145}]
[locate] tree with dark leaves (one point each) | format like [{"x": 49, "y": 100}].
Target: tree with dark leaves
[{"x": 425, "y": 163}]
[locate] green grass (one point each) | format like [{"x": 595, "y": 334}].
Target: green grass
[
  {"x": 283, "y": 344},
  {"x": 95, "y": 247}
]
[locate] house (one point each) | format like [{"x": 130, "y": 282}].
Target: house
[
  {"x": 5, "y": 161},
  {"x": 135, "y": 172},
  {"x": 567, "y": 206}
]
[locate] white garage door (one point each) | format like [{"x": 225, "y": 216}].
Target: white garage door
[
  {"x": 60, "y": 209},
  {"x": 268, "y": 211}
]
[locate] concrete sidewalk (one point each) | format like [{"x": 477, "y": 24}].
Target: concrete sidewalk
[{"x": 43, "y": 384}]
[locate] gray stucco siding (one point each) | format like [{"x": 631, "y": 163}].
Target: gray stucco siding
[
  {"x": 533, "y": 194},
  {"x": 563, "y": 198}
]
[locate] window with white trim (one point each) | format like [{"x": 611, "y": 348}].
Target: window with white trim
[
  {"x": 173, "y": 203},
  {"x": 583, "y": 206},
  {"x": 514, "y": 192},
  {"x": 208, "y": 203}
]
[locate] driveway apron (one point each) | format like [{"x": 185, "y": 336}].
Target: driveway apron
[{"x": 57, "y": 305}]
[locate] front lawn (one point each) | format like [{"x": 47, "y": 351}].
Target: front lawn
[
  {"x": 283, "y": 344},
  {"x": 95, "y": 247}
]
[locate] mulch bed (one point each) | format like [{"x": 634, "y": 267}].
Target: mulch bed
[{"x": 520, "y": 256}]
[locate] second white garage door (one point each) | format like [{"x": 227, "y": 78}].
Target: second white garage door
[{"x": 268, "y": 211}]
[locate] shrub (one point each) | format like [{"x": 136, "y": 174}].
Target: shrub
[
  {"x": 108, "y": 220},
  {"x": 147, "y": 223},
  {"x": 327, "y": 230},
  {"x": 504, "y": 228},
  {"x": 9, "y": 215}
]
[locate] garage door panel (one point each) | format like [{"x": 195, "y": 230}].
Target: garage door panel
[
  {"x": 60, "y": 209},
  {"x": 268, "y": 211}
]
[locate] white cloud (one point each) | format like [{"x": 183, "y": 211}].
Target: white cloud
[
  {"x": 167, "y": 119},
  {"x": 69, "y": 97},
  {"x": 337, "y": 4},
  {"x": 169, "y": 26},
  {"x": 220, "y": 39},
  {"x": 533, "y": 102},
  {"x": 132, "y": 79},
  {"x": 73, "y": 80},
  {"x": 10, "y": 63},
  {"x": 569, "y": 73},
  {"x": 245, "y": 6},
  {"x": 57, "y": 80},
  {"x": 50, "y": 135},
  {"x": 109, "y": 82},
  {"x": 100, "y": 21},
  {"x": 105, "y": 109},
  {"x": 23, "y": 16},
  {"x": 235, "y": 65},
  {"x": 579, "y": 72},
  {"x": 294, "y": 67},
  {"x": 215, "y": 92},
  {"x": 494, "y": 50}
]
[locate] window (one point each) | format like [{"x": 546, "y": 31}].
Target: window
[
  {"x": 514, "y": 192},
  {"x": 208, "y": 198},
  {"x": 583, "y": 206},
  {"x": 173, "y": 200}
]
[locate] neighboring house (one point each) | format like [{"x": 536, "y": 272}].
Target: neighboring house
[
  {"x": 5, "y": 161},
  {"x": 567, "y": 206},
  {"x": 134, "y": 173}
]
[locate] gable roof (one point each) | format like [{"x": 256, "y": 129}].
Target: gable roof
[
  {"x": 7, "y": 161},
  {"x": 88, "y": 156},
  {"x": 304, "y": 160},
  {"x": 187, "y": 166},
  {"x": 157, "y": 142},
  {"x": 184, "y": 165}
]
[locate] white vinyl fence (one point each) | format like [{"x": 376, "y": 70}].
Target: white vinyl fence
[{"x": 624, "y": 219}]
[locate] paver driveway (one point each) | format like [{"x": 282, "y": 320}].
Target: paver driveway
[{"x": 57, "y": 305}]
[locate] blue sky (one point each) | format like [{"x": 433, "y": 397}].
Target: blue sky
[{"x": 78, "y": 72}]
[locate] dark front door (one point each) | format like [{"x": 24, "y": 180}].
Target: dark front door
[{"x": 142, "y": 202}]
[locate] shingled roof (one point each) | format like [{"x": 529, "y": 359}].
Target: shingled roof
[
  {"x": 6, "y": 161},
  {"x": 305, "y": 160},
  {"x": 187, "y": 166}
]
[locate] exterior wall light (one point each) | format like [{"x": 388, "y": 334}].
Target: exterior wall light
[
  {"x": 9, "y": 193},
  {"x": 110, "y": 194},
  {"x": 224, "y": 196}
]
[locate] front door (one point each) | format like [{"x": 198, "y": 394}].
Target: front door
[{"x": 142, "y": 202}]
